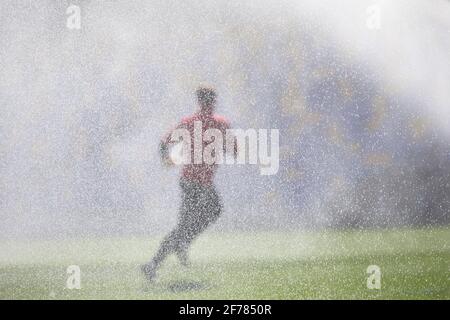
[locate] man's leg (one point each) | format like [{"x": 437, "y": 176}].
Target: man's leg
[
  {"x": 189, "y": 209},
  {"x": 174, "y": 241},
  {"x": 166, "y": 247},
  {"x": 205, "y": 211}
]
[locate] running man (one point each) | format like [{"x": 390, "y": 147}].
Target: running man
[{"x": 200, "y": 203}]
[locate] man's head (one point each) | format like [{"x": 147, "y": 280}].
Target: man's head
[{"x": 206, "y": 98}]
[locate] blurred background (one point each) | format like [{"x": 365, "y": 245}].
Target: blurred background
[{"x": 358, "y": 89}]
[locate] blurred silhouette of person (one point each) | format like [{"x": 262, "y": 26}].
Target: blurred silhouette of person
[{"x": 201, "y": 205}]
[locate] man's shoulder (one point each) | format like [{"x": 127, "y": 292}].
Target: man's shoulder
[
  {"x": 189, "y": 119},
  {"x": 221, "y": 119}
]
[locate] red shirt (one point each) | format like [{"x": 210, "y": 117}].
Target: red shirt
[{"x": 201, "y": 173}]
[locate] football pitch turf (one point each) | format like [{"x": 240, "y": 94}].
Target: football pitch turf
[{"x": 414, "y": 264}]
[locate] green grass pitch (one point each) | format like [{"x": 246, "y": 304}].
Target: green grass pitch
[{"x": 414, "y": 264}]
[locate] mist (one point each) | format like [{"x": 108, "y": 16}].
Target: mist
[{"x": 362, "y": 107}]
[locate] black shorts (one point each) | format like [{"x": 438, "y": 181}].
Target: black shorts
[{"x": 200, "y": 206}]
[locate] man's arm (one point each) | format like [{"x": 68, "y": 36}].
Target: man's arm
[
  {"x": 164, "y": 152},
  {"x": 164, "y": 145}
]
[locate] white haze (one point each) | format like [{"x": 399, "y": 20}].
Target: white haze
[{"x": 82, "y": 111}]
